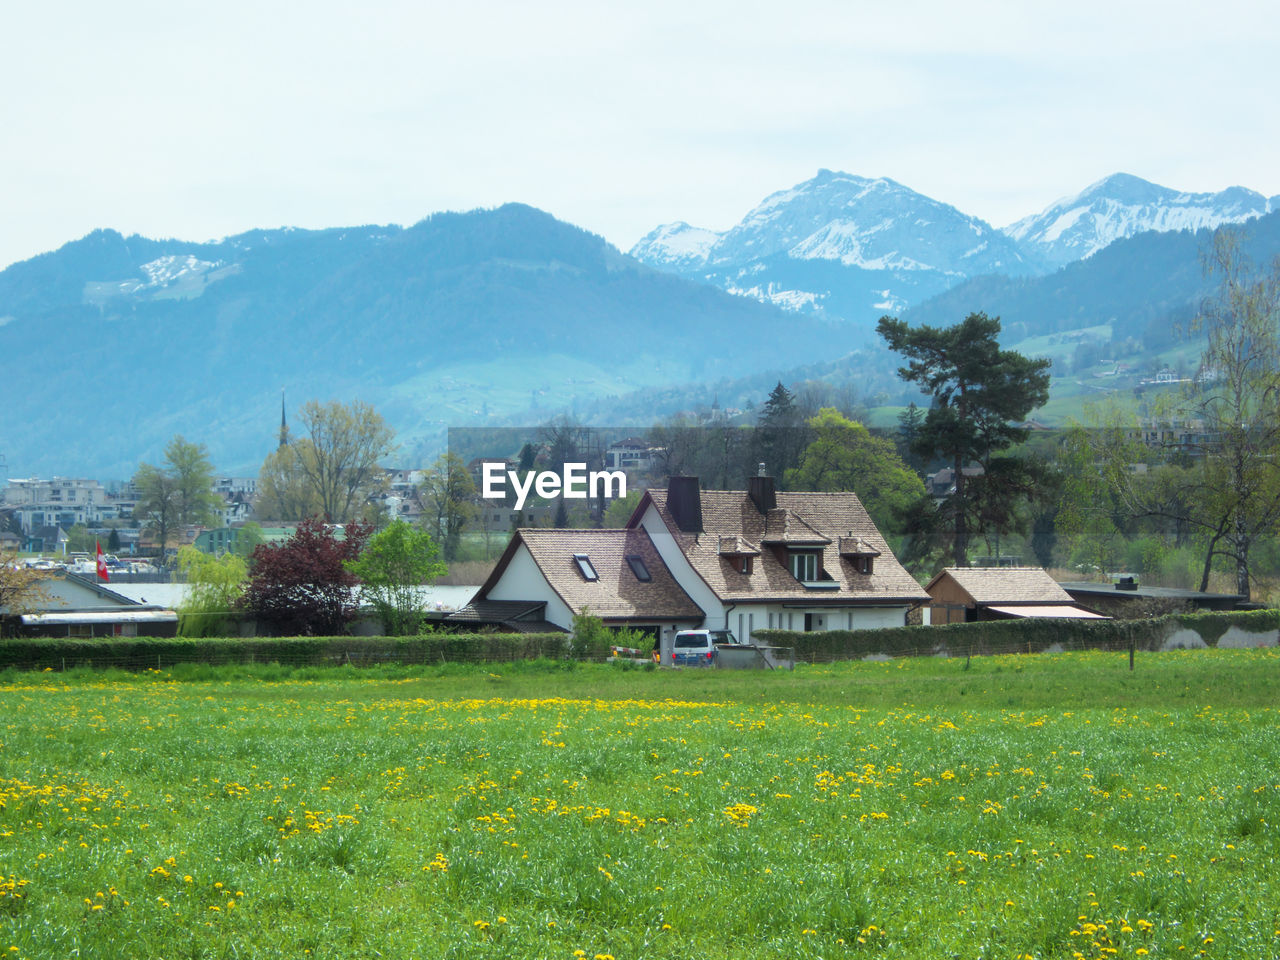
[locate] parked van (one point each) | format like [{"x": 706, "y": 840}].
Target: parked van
[{"x": 693, "y": 648}]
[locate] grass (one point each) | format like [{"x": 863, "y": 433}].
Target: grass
[{"x": 1033, "y": 806}]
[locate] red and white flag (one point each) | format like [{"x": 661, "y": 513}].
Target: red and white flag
[{"x": 102, "y": 564}]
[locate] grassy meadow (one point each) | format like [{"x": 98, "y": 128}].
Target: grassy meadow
[{"x": 1036, "y": 806}]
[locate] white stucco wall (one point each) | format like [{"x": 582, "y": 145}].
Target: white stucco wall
[
  {"x": 682, "y": 570},
  {"x": 522, "y": 580},
  {"x": 778, "y": 617}
]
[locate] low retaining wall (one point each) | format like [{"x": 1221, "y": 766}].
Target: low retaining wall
[{"x": 1253, "y": 628}]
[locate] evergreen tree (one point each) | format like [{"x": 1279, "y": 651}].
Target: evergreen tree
[
  {"x": 910, "y": 423},
  {"x": 779, "y": 435},
  {"x": 979, "y": 395}
]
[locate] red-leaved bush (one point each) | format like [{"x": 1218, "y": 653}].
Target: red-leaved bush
[{"x": 301, "y": 587}]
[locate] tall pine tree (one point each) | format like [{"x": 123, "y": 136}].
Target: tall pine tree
[{"x": 980, "y": 395}]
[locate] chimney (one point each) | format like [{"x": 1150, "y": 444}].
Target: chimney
[
  {"x": 760, "y": 490},
  {"x": 684, "y": 500}
]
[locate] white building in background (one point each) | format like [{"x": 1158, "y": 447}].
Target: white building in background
[{"x": 58, "y": 501}]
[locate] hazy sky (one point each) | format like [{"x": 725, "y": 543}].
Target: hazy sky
[{"x": 177, "y": 120}]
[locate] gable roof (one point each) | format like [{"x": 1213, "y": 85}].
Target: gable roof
[
  {"x": 76, "y": 592},
  {"x": 520, "y": 616},
  {"x": 809, "y": 521},
  {"x": 1005, "y": 585},
  {"x": 616, "y": 593}
]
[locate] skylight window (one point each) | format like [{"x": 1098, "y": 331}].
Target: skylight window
[
  {"x": 639, "y": 569},
  {"x": 585, "y": 566}
]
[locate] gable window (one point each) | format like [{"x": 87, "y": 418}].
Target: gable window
[
  {"x": 585, "y": 566},
  {"x": 639, "y": 569},
  {"x": 804, "y": 567}
]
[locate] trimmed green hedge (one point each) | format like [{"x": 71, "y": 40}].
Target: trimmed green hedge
[
  {"x": 1014, "y": 636},
  {"x": 956, "y": 639},
  {"x": 140, "y": 653}
]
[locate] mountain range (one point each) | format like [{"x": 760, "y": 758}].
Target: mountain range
[
  {"x": 852, "y": 248},
  {"x": 509, "y": 316},
  {"x": 116, "y": 343}
]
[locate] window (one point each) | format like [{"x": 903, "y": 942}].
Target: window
[
  {"x": 639, "y": 569},
  {"x": 804, "y": 567},
  {"x": 585, "y": 567},
  {"x": 744, "y": 564}
]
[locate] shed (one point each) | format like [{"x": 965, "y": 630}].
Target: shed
[{"x": 966, "y": 594}]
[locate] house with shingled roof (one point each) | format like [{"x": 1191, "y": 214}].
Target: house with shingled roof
[
  {"x": 761, "y": 558},
  {"x": 738, "y": 560},
  {"x": 546, "y": 577},
  {"x": 966, "y": 594}
]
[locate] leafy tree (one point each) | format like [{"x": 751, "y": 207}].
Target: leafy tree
[
  {"x": 619, "y": 511},
  {"x": 845, "y": 456},
  {"x": 214, "y": 588},
  {"x": 193, "y": 481},
  {"x": 284, "y": 492},
  {"x": 338, "y": 455},
  {"x": 302, "y": 586},
  {"x": 1237, "y": 394},
  {"x": 979, "y": 393},
  {"x": 113, "y": 540},
  {"x": 448, "y": 496},
  {"x": 79, "y": 540},
  {"x": 157, "y": 505},
  {"x": 1222, "y": 488},
  {"x": 395, "y": 563},
  {"x": 178, "y": 493},
  {"x": 1090, "y": 515},
  {"x": 20, "y": 586},
  {"x": 248, "y": 538}
]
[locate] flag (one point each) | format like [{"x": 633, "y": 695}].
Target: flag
[{"x": 102, "y": 564}]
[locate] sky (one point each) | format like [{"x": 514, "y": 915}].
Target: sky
[{"x": 202, "y": 121}]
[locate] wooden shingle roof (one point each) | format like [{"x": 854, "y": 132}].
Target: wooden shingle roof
[
  {"x": 617, "y": 592},
  {"x": 1006, "y": 585},
  {"x": 815, "y": 521}
]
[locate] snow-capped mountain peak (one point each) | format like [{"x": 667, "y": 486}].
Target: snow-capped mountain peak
[
  {"x": 841, "y": 244},
  {"x": 1123, "y": 205},
  {"x": 872, "y": 223},
  {"x": 675, "y": 246}
]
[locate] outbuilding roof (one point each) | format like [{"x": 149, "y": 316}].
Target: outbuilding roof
[{"x": 1005, "y": 585}]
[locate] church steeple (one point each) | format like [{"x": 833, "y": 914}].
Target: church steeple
[{"x": 284, "y": 426}]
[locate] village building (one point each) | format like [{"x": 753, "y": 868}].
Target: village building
[
  {"x": 738, "y": 560},
  {"x": 968, "y": 594},
  {"x": 79, "y": 606}
]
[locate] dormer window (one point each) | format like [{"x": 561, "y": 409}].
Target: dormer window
[
  {"x": 585, "y": 567},
  {"x": 743, "y": 564},
  {"x": 638, "y": 567},
  {"x": 804, "y": 567}
]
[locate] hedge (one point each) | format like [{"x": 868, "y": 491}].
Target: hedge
[
  {"x": 1014, "y": 636},
  {"x": 956, "y": 639},
  {"x": 140, "y": 653}
]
